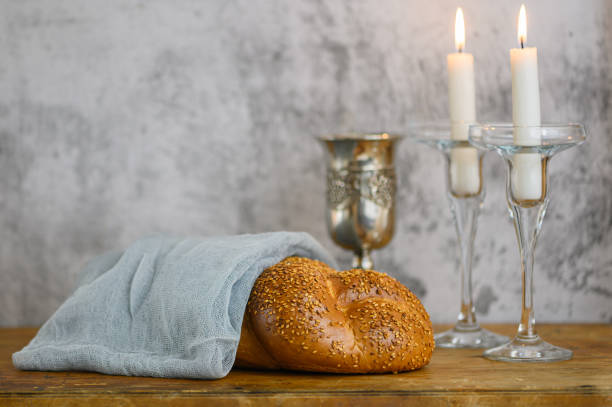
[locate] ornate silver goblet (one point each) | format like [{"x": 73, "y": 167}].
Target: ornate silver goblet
[{"x": 361, "y": 189}]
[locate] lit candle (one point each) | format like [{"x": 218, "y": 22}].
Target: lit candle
[
  {"x": 464, "y": 164},
  {"x": 527, "y": 167}
]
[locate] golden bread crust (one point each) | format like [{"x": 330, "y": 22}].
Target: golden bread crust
[{"x": 304, "y": 315}]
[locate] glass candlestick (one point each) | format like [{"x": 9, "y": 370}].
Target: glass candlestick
[
  {"x": 527, "y": 194},
  {"x": 465, "y": 193}
]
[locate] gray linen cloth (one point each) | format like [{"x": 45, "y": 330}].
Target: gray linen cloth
[{"x": 164, "y": 307}]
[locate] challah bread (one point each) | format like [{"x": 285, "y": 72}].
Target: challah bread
[{"x": 304, "y": 315}]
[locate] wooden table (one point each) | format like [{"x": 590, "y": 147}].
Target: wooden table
[{"x": 454, "y": 377}]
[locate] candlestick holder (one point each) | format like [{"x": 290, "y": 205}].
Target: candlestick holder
[
  {"x": 527, "y": 209},
  {"x": 465, "y": 192},
  {"x": 361, "y": 189}
]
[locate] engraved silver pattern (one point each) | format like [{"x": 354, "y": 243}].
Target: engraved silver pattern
[
  {"x": 377, "y": 186},
  {"x": 338, "y": 187}
]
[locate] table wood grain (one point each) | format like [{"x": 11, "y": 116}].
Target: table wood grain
[{"x": 454, "y": 377}]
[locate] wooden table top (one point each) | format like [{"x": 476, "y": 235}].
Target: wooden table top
[{"x": 454, "y": 377}]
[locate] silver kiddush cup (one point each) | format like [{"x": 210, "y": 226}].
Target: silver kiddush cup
[{"x": 361, "y": 188}]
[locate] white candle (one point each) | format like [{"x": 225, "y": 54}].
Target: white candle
[
  {"x": 464, "y": 163},
  {"x": 527, "y": 168}
]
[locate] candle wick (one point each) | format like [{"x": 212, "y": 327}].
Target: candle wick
[{"x": 522, "y": 44}]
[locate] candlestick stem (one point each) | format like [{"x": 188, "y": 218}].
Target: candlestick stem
[
  {"x": 465, "y": 213},
  {"x": 527, "y": 223}
]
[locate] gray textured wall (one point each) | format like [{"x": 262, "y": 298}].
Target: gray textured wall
[{"x": 121, "y": 118}]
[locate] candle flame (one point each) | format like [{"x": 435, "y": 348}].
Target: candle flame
[
  {"x": 459, "y": 30},
  {"x": 522, "y": 26}
]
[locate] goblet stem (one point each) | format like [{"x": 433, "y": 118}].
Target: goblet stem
[
  {"x": 465, "y": 213},
  {"x": 527, "y": 224},
  {"x": 362, "y": 259}
]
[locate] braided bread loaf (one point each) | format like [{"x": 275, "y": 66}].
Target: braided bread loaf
[{"x": 304, "y": 315}]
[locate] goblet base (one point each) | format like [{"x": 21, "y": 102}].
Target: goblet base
[
  {"x": 473, "y": 338},
  {"x": 528, "y": 350}
]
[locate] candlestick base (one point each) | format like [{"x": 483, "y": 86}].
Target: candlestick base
[
  {"x": 528, "y": 350},
  {"x": 469, "y": 338}
]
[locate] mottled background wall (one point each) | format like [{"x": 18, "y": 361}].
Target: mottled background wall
[{"x": 122, "y": 118}]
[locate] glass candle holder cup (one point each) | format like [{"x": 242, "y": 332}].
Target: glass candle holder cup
[{"x": 527, "y": 195}]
